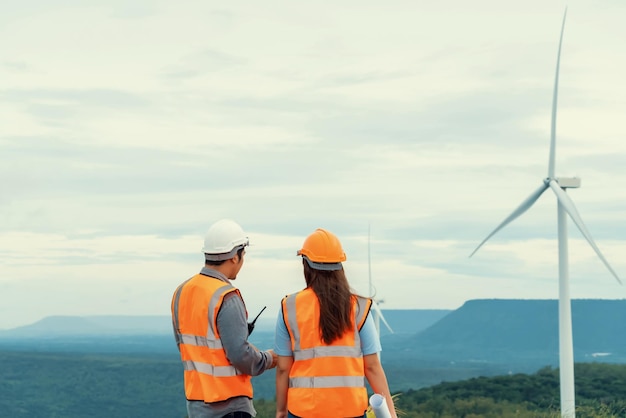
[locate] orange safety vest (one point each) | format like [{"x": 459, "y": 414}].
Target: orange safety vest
[
  {"x": 209, "y": 376},
  {"x": 324, "y": 380}
]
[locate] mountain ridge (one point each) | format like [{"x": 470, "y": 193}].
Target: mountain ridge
[
  {"x": 519, "y": 329},
  {"x": 494, "y": 331},
  {"x": 407, "y": 321}
]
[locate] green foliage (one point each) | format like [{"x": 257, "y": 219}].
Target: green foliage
[
  {"x": 66, "y": 385},
  {"x": 600, "y": 392},
  {"x": 80, "y": 385}
]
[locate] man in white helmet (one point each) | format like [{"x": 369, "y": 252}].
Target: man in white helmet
[{"x": 211, "y": 330}]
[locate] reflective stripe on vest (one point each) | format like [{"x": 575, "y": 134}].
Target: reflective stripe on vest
[
  {"x": 220, "y": 371},
  {"x": 327, "y": 351},
  {"x": 209, "y": 376},
  {"x": 327, "y": 382},
  {"x": 324, "y": 376},
  {"x": 199, "y": 341}
]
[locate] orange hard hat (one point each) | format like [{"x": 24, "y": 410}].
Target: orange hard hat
[{"x": 322, "y": 250}]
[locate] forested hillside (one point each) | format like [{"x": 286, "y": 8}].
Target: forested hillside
[
  {"x": 600, "y": 392},
  {"x": 66, "y": 385}
]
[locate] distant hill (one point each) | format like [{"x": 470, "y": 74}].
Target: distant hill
[
  {"x": 507, "y": 332},
  {"x": 520, "y": 330},
  {"x": 53, "y": 326},
  {"x": 401, "y": 321}
]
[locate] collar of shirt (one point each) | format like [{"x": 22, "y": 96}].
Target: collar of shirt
[{"x": 214, "y": 273}]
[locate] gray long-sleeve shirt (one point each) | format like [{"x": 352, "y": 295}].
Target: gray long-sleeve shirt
[{"x": 232, "y": 325}]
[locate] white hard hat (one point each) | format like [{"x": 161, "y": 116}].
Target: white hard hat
[{"x": 223, "y": 239}]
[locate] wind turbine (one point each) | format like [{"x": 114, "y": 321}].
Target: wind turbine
[
  {"x": 565, "y": 207},
  {"x": 377, "y": 314}
]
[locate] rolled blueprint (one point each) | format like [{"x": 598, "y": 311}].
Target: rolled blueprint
[{"x": 379, "y": 406}]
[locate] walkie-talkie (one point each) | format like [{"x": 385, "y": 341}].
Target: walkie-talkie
[{"x": 251, "y": 324}]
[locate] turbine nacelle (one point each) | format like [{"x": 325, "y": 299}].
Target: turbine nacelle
[
  {"x": 558, "y": 186},
  {"x": 564, "y": 182},
  {"x": 568, "y": 182}
]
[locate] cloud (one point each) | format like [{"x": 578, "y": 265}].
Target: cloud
[{"x": 131, "y": 128}]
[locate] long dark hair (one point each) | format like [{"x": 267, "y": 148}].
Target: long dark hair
[{"x": 335, "y": 298}]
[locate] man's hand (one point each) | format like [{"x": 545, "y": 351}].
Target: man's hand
[{"x": 274, "y": 359}]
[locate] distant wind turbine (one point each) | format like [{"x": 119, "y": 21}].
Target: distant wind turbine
[
  {"x": 565, "y": 207},
  {"x": 377, "y": 314}
]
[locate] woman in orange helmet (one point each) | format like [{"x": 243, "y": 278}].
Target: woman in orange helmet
[{"x": 326, "y": 341}]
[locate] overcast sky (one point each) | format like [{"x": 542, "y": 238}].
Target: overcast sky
[{"x": 127, "y": 128}]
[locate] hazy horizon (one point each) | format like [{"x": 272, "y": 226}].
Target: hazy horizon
[{"x": 267, "y": 321}]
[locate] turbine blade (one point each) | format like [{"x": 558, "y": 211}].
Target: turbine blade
[
  {"x": 381, "y": 316},
  {"x": 523, "y": 207},
  {"x": 554, "y": 101},
  {"x": 570, "y": 208}
]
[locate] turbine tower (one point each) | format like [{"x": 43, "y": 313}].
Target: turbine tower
[
  {"x": 377, "y": 313},
  {"x": 565, "y": 206}
]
